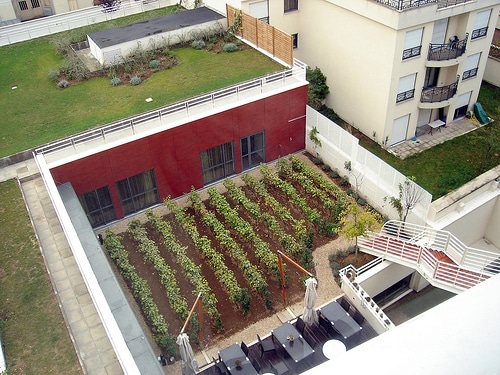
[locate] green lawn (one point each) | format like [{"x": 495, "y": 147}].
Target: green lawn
[
  {"x": 37, "y": 112},
  {"x": 35, "y": 337},
  {"x": 448, "y": 166}
]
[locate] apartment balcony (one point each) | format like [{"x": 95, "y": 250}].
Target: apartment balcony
[
  {"x": 447, "y": 54},
  {"x": 438, "y": 96},
  {"x": 402, "y": 5}
]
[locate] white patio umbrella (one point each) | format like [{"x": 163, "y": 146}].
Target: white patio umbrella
[
  {"x": 309, "y": 315},
  {"x": 189, "y": 364}
]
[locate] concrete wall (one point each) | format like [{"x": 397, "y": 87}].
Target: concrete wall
[
  {"x": 383, "y": 276},
  {"x": 492, "y": 71}
]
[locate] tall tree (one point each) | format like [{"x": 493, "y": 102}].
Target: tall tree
[{"x": 318, "y": 89}]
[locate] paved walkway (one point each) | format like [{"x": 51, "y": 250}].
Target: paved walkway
[{"x": 438, "y": 136}]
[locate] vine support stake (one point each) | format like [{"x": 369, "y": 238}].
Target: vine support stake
[{"x": 282, "y": 274}]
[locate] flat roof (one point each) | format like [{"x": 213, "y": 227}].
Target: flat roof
[{"x": 174, "y": 21}]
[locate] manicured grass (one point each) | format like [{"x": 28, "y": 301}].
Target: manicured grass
[
  {"x": 448, "y": 166},
  {"x": 37, "y": 112},
  {"x": 33, "y": 330}
]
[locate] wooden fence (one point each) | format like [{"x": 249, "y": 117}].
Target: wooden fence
[{"x": 261, "y": 34}]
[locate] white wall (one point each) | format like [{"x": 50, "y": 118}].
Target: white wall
[
  {"x": 379, "y": 179},
  {"x": 7, "y": 13},
  {"x": 492, "y": 71},
  {"x": 382, "y": 276}
]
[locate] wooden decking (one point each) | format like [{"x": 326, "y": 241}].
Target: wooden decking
[{"x": 316, "y": 336}]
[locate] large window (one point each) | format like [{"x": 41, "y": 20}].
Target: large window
[
  {"x": 98, "y": 206},
  {"x": 481, "y": 24},
  {"x": 291, "y": 5},
  {"x": 253, "y": 151},
  {"x": 138, "y": 192},
  {"x": 217, "y": 162},
  {"x": 413, "y": 43},
  {"x": 406, "y": 88},
  {"x": 471, "y": 64}
]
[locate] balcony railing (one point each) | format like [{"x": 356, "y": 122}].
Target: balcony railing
[
  {"x": 402, "y": 96},
  {"x": 438, "y": 94},
  {"x": 412, "y": 4},
  {"x": 478, "y": 33},
  {"x": 448, "y": 51},
  {"x": 411, "y": 52},
  {"x": 469, "y": 74}
]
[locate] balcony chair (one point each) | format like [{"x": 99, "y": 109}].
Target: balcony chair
[
  {"x": 358, "y": 317},
  {"x": 345, "y": 304},
  {"x": 265, "y": 346},
  {"x": 278, "y": 368},
  {"x": 300, "y": 326},
  {"x": 324, "y": 324},
  {"x": 255, "y": 365},
  {"x": 220, "y": 367},
  {"x": 244, "y": 347}
]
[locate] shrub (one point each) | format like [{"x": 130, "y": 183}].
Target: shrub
[
  {"x": 317, "y": 160},
  {"x": 351, "y": 249},
  {"x": 326, "y": 168},
  {"x": 198, "y": 44},
  {"x": 54, "y": 75},
  {"x": 332, "y": 257},
  {"x": 154, "y": 64},
  {"x": 62, "y": 84},
  {"x": 115, "y": 81},
  {"x": 361, "y": 202},
  {"x": 230, "y": 47},
  {"x": 135, "y": 81},
  {"x": 344, "y": 181}
]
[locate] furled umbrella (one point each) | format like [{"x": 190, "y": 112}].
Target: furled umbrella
[
  {"x": 309, "y": 315},
  {"x": 189, "y": 364}
]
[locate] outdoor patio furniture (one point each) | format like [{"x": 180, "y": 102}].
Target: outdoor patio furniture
[
  {"x": 341, "y": 321},
  {"x": 333, "y": 349},
  {"x": 236, "y": 360},
  {"x": 220, "y": 366},
  {"x": 292, "y": 341},
  {"x": 358, "y": 317},
  {"x": 244, "y": 347},
  {"x": 265, "y": 346},
  {"x": 345, "y": 304},
  {"x": 279, "y": 368}
]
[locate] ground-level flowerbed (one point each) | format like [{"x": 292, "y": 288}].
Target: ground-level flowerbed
[{"x": 223, "y": 242}]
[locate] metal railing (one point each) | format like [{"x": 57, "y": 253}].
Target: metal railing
[
  {"x": 430, "y": 251},
  {"x": 184, "y": 108},
  {"x": 447, "y": 51},
  {"x": 438, "y": 94},
  {"x": 402, "y": 5},
  {"x": 402, "y": 96},
  {"x": 411, "y": 52},
  {"x": 478, "y": 33}
]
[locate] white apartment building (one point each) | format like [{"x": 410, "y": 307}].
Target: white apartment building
[
  {"x": 392, "y": 66},
  {"x": 14, "y": 11}
]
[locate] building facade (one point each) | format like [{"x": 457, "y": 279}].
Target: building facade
[
  {"x": 13, "y": 11},
  {"x": 392, "y": 67}
]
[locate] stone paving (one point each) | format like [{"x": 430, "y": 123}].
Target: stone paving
[{"x": 438, "y": 136}]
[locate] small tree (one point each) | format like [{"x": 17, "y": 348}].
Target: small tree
[
  {"x": 409, "y": 195},
  {"x": 358, "y": 178},
  {"x": 318, "y": 89},
  {"x": 355, "y": 222},
  {"x": 313, "y": 136},
  {"x": 488, "y": 137}
]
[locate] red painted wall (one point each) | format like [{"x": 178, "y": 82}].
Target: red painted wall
[{"x": 175, "y": 154}]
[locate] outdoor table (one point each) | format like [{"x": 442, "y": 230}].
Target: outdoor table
[
  {"x": 298, "y": 349},
  {"x": 333, "y": 348},
  {"x": 341, "y": 321},
  {"x": 233, "y": 353},
  {"x": 436, "y": 124}
]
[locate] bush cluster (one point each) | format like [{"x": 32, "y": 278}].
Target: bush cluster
[
  {"x": 135, "y": 81},
  {"x": 230, "y": 47},
  {"x": 115, "y": 81},
  {"x": 198, "y": 44},
  {"x": 154, "y": 64},
  {"x": 62, "y": 84}
]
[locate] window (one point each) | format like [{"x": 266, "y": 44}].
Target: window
[
  {"x": 406, "y": 88},
  {"x": 291, "y": 5},
  {"x": 35, "y": 4},
  {"x": 253, "y": 150},
  {"x": 462, "y": 105},
  {"x": 137, "y": 192},
  {"x": 98, "y": 206},
  {"x": 23, "y": 5},
  {"x": 481, "y": 24},
  {"x": 295, "y": 40},
  {"x": 471, "y": 66},
  {"x": 217, "y": 163},
  {"x": 413, "y": 43}
]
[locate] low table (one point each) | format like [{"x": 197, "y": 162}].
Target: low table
[
  {"x": 333, "y": 348},
  {"x": 436, "y": 124}
]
